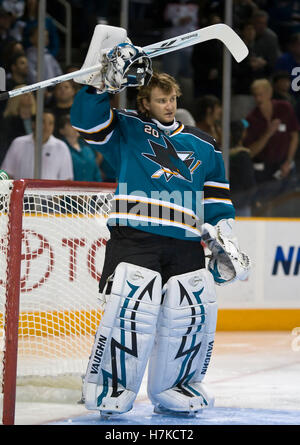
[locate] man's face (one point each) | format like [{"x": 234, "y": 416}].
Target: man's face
[
  {"x": 34, "y": 38},
  {"x": 64, "y": 92},
  {"x": 283, "y": 85},
  {"x": 217, "y": 113},
  {"x": 260, "y": 24},
  {"x": 26, "y": 101},
  {"x": 262, "y": 94},
  {"x": 48, "y": 126},
  {"x": 68, "y": 131},
  {"x": 21, "y": 66},
  {"x": 5, "y": 21},
  {"x": 161, "y": 106},
  {"x": 249, "y": 32}
]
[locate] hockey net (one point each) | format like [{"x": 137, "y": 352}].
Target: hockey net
[{"x": 52, "y": 242}]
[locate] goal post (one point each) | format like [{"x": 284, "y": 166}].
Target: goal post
[
  {"x": 52, "y": 243},
  {"x": 11, "y": 241}
]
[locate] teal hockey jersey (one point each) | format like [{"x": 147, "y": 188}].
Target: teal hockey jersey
[{"x": 171, "y": 178}]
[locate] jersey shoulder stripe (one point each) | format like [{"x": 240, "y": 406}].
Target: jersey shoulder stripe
[
  {"x": 99, "y": 133},
  {"x": 216, "y": 193},
  {"x": 199, "y": 133},
  {"x": 202, "y": 135},
  {"x": 132, "y": 113}
]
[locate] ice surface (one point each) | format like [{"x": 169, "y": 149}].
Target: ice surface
[{"x": 254, "y": 377}]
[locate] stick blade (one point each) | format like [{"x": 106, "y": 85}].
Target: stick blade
[
  {"x": 2, "y": 79},
  {"x": 232, "y": 41},
  {"x": 220, "y": 31}
]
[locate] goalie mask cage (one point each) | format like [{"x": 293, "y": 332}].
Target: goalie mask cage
[{"x": 52, "y": 242}]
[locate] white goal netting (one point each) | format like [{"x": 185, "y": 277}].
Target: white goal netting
[{"x": 63, "y": 242}]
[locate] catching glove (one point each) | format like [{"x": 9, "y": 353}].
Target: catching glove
[{"x": 227, "y": 263}]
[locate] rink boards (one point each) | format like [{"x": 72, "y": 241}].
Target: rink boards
[{"x": 268, "y": 300}]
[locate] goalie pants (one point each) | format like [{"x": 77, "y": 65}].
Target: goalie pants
[{"x": 168, "y": 256}]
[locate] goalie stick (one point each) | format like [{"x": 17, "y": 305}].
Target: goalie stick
[{"x": 220, "y": 31}]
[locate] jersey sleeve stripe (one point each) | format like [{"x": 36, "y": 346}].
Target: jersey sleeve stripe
[
  {"x": 99, "y": 127},
  {"x": 216, "y": 192},
  {"x": 217, "y": 201},
  {"x": 98, "y": 142},
  {"x": 102, "y": 132},
  {"x": 216, "y": 184}
]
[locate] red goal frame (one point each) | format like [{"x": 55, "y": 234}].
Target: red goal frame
[{"x": 14, "y": 275}]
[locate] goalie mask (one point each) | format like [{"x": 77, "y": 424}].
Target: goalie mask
[{"x": 127, "y": 66}]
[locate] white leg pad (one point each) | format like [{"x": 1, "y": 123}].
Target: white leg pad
[
  {"x": 124, "y": 340},
  {"x": 184, "y": 342}
]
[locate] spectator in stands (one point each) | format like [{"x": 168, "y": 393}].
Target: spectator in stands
[
  {"x": 108, "y": 173},
  {"x": 56, "y": 162},
  {"x": 6, "y": 40},
  {"x": 207, "y": 114},
  {"x": 87, "y": 14},
  {"x": 71, "y": 69},
  {"x": 85, "y": 166},
  {"x": 51, "y": 66},
  {"x": 5, "y": 37},
  {"x": 243, "y": 10},
  {"x": 18, "y": 71},
  {"x": 180, "y": 17},
  {"x": 140, "y": 9},
  {"x": 207, "y": 63},
  {"x": 291, "y": 58},
  {"x": 266, "y": 45},
  {"x": 284, "y": 19},
  {"x": 272, "y": 135},
  {"x": 281, "y": 82},
  {"x": 17, "y": 120},
  {"x": 15, "y": 8},
  {"x": 185, "y": 117},
  {"x": 29, "y": 20},
  {"x": 63, "y": 97},
  {"x": 12, "y": 49},
  {"x": 242, "y": 174},
  {"x": 244, "y": 73}
]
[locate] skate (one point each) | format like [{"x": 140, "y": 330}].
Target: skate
[
  {"x": 160, "y": 409},
  {"x": 107, "y": 415}
]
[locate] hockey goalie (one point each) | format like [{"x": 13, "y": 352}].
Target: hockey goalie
[{"x": 157, "y": 289}]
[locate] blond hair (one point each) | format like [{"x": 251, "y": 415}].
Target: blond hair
[
  {"x": 265, "y": 83},
  {"x": 160, "y": 80},
  {"x": 13, "y": 104}
]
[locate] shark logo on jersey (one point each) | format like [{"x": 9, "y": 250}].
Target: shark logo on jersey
[{"x": 172, "y": 163}]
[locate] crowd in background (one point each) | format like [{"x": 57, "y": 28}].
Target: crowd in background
[
  {"x": 65, "y": 156},
  {"x": 265, "y": 101}
]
